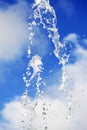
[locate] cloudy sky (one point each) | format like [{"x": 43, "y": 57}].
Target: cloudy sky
[{"x": 71, "y": 24}]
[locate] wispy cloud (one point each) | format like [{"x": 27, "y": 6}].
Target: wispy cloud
[
  {"x": 13, "y": 30},
  {"x": 67, "y": 7},
  {"x": 72, "y": 37}
]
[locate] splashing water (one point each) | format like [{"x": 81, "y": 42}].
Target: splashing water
[{"x": 43, "y": 15}]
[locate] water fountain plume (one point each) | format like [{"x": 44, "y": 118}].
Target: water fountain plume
[{"x": 43, "y": 15}]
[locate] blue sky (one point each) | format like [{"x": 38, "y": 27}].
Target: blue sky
[{"x": 71, "y": 24}]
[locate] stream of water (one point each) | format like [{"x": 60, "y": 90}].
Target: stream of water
[{"x": 43, "y": 15}]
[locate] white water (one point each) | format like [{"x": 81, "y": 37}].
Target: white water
[{"x": 43, "y": 15}]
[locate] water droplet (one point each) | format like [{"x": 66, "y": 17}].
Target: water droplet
[
  {"x": 44, "y": 113},
  {"x": 43, "y": 108},
  {"x": 46, "y": 127}
]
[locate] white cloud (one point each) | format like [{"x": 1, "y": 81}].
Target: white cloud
[
  {"x": 13, "y": 115},
  {"x": 78, "y": 73},
  {"x": 72, "y": 37},
  {"x": 13, "y": 30},
  {"x": 84, "y": 41}
]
